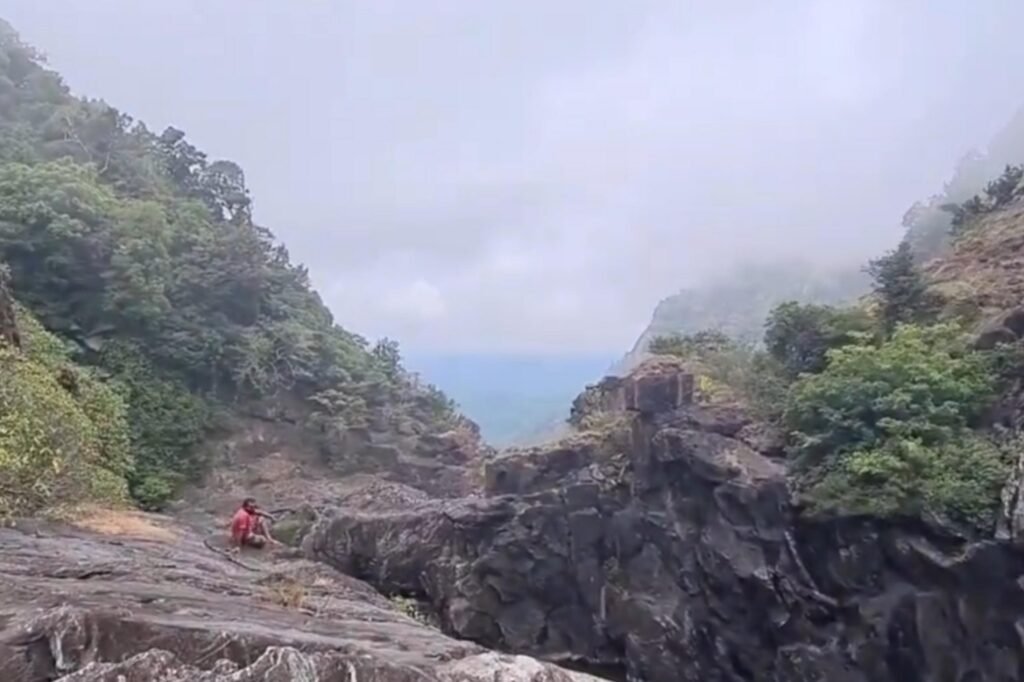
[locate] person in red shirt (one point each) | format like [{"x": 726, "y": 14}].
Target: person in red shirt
[{"x": 247, "y": 529}]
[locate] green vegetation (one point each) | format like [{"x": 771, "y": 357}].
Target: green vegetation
[
  {"x": 886, "y": 428},
  {"x": 729, "y": 371},
  {"x": 799, "y": 335},
  {"x": 166, "y": 423},
  {"x": 64, "y": 434},
  {"x": 142, "y": 254},
  {"x": 902, "y": 294},
  {"x": 883, "y": 406}
]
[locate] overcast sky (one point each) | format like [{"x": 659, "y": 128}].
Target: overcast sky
[{"x": 534, "y": 175}]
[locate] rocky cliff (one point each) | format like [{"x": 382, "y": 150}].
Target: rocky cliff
[{"x": 666, "y": 548}]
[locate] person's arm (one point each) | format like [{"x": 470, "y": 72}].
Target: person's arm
[{"x": 265, "y": 527}]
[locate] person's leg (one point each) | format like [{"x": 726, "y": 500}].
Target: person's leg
[
  {"x": 262, "y": 530},
  {"x": 255, "y": 541}
]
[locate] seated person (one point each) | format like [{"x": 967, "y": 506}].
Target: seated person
[{"x": 247, "y": 527}]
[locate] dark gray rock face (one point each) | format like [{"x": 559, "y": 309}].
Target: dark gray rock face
[{"x": 670, "y": 550}]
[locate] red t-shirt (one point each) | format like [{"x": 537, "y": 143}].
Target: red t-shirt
[{"x": 241, "y": 526}]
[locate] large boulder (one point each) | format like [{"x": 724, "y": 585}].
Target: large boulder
[
  {"x": 657, "y": 388},
  {"x": 661, "y": 384}
]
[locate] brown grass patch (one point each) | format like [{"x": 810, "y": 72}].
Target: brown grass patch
[
  {"x": 121, "y": 522},
  {"x": 288, "y": 592}
]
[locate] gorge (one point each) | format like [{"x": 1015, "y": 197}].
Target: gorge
[{"x": 836, "y": 495}]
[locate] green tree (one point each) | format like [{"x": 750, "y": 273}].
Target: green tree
[
  {"x": 900, "y": 288},
  {"x": 387, "y": 353},
  {"x": 165, "y": 424},
  {"x": 876, "y": 429},
  {"x": 799, "y": 336}
]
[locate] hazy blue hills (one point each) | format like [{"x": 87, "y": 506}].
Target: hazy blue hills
[{"x": 511, "y": 397}]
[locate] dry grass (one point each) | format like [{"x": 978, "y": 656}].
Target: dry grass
[
  {"x": 288, "y": 592},
  {"x": 121, "y": 522},
  {"x": 985, "y": 269}
]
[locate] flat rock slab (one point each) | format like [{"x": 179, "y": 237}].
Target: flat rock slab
[{"x": 86, "y": 606}]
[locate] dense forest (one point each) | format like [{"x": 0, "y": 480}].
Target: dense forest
[
  {"x": 885, "y": 404},
  {"x": 150, "y": 303}
]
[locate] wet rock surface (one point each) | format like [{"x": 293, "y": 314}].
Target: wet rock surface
[
  {"x": 669, "y": 551},
  {"x": 159, "y": 605}
]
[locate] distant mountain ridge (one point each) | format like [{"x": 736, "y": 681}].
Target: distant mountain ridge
[{"x": 738, "y": 303}]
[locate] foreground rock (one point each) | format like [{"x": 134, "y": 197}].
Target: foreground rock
[
  {"x": 135, "y": 601},
  {"x": 665, "y": 548}
]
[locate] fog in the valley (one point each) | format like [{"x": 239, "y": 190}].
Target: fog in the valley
[{"x": 534, "y": 176}]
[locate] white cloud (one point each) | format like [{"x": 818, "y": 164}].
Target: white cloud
[{"x": 420, "y": 300}]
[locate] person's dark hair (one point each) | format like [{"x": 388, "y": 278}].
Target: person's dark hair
[{"x": 249, "y": 502}]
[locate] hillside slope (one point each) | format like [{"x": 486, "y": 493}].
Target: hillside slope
[
  {"x": 983, "y": 270},
  {"x": 144, "y": 257}
]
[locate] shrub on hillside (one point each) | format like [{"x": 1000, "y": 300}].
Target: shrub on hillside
[
  {"x": 166, "y": 422},
  {"x": 63, "y": 431},
  {"x": 885, "y": 429},
  {"x": 902, "y": 293},
  {"x": 729, "y": 370},
  {"x": 798, "y": 335}
]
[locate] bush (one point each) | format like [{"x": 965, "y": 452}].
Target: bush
[
  {"x": 58, "y": 446},
  {"x": 885, "y": 429},
  {"x": 729, "y": 371},
  {"x": 961, "y": 480},
  {"x": 166, "y": 424},
  {"x": 903, "y": 296},
  {"x": 798, "y": 336}
]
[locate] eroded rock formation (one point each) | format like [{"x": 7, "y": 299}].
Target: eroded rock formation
[{"x": 666, "y": 547}]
